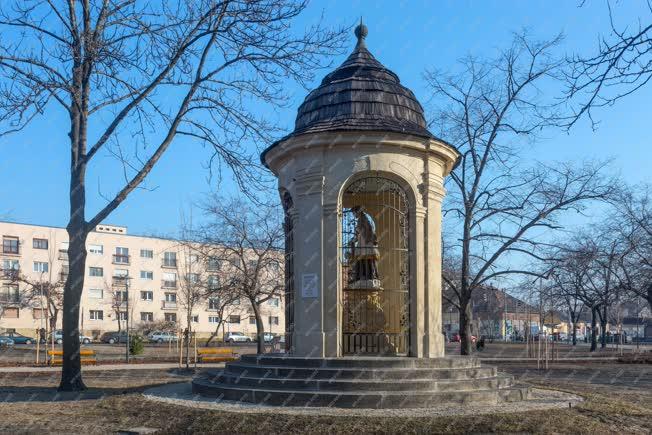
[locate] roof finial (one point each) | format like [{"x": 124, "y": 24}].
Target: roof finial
[{"x": 361, "y": 32}]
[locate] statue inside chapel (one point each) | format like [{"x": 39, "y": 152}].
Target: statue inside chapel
[{"x": 363, "y": 252}]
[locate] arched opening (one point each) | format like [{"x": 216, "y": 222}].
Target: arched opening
[{"x": 374, "y": 268}]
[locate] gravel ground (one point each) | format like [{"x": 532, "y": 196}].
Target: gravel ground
[{"x": 181, "y": 394}]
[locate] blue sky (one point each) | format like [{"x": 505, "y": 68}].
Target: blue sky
[{"x": 407, "y": 37}]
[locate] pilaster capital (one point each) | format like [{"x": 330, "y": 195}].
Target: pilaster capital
[
  {"x": 420, "y": 212},
  {"x": 309, "y": 182}
]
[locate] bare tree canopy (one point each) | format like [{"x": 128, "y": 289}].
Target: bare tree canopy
[
  {"x": 621, "y": 65},
  {"x": 498, "y": 204},
  {"x": 248, "y": 240},
  {"x": 133, "y": 75}
]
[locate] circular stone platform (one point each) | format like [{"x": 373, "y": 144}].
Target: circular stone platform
[
  {"x": 358, "y": 382},
  {"x": 181, "y": 394}
]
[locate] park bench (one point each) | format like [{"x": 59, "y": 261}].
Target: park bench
[
  {"x": 87, "y": 356},
  {"x": 216, "y": 354}
]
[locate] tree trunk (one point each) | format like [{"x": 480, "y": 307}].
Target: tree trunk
[
  {"x": 71, "y": 376},
  {"x": 466, "y": 317},
  {"x": 260, "y": 331},
  {"x": 188, "y": 335},
  {"x": 603, "y": 327},
  {"x": 594, "y": 343}
]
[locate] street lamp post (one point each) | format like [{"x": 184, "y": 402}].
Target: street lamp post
[{"x": 127, "y": 319}]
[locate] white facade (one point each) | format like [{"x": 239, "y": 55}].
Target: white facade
[{"x": 154, "y": 266}]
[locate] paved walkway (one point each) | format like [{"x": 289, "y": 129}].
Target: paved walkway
[{"x": 106, "y": 367}]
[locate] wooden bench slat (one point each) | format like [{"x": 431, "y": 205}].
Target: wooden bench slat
[
  {"x": 85, "y": 352},
  {"x": 59, "y": 361},
  {"x": 218, "y": 358},
  {"x": 215, "y": 351}
]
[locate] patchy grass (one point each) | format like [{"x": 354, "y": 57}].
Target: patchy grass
[{"x": 624, "y": 407}]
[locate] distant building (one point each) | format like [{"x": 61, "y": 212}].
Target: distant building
[
  {"x": 153, "y": 268},
  {"x": 496, "y": 314}
]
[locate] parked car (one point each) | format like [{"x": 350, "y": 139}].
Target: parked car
[
  {"x": 21, "y": 339},
  {"x": 161, "y": 337},
  {"x": 237, "y": 337},
  {"x": 58, "y": 338},
  {"x": 114, "y": 337},
  {"x": 6, "y": 341},
  {"x": 456, "y": 338},
  {"x": 268, "y": 336}
]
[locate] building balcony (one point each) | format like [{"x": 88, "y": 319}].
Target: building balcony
[
  {"x": 63, "y": 276},
  {"x": 169, "y": 264},
  {"x": 9, "y": 274},
  {"x": 120, "y": 259},
  {"x": 167, "y": 305},
  {"x": 168, "y": 284},
  {"x": 9, "y": 298},
  {"x": 120, "y": 281},
  {"x": 63, "y": 255}
]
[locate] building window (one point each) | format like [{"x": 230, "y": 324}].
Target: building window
[
  {"x": 235, "y": 262},
  {"x": 146, "y": 295},
  {"x": 9, "y": 294},
  {"x": 96, "y": 249},
  {"x": 95, "y": 271},
  {"x": 40, "y": 243},
  {"x": 273, "y": 320},
  {"x": 10, "y": 245},
  {"x": 252, "y": 320},
  {"x": 10, "y": 268},
  {"x": 120, "y": 296},
  {"x": 195, "y": 319},
  {"x": 122, "y": 315},
  {"x": 146, "y": 274},
  {"x": 213, "y": 282},
  {"x": 213, "y": 304},
  {"x": 236, "y": 301},
  {"x": 41, "y": 266},
  {"x": 213, "y": 264},
  {"x": 121, "y": 256},
  {"x": 169, "y": 280},
  {"x": 96, "y": 293},
  {"x": 96, "y": 314},
  {"x": 170, "y": 297},
  {"x": 274, "y": 302},
  {"x": 146, "y": 317},
  {"x": 38, "y": 313},
  {"x": 11, "y": 313},
  {"x": 213, "y": 319},
  {"x": 234, "y": 318},
  {"x": 194, "y": 258},
  {"x": 169, "y": 259},
  {"x": 171, "y": 317},
  {"x": 146, "y": 253}
]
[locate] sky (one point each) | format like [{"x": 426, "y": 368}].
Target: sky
[{"x": 407, "y": 37}]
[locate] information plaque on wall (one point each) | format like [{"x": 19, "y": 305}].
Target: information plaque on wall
[{"x": 309, "y": 285}]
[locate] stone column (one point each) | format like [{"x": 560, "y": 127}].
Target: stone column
[
  {"x": 417, "y": 286},
  {"x": 331, "y": 298},
  {"x": 308, "y": 309},
  {"x": 433, "y": 195}
]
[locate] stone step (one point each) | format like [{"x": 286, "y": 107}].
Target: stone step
[
  {"x": 290, "y": 372},
  {"x": 375, "y": 399},
  {"x": 282, "y": 360},
  {"x": 276, "y": 383}
]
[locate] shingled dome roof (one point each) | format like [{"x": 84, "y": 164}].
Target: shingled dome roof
[{"x": 360, "y": 95}]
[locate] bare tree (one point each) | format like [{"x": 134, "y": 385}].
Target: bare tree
[
  {"x": 633, "y": 221},
  {"x": 142, "y": 73},
  {"x": 249, "y": 240},
  {"x": 621, "y": 65},
  {"x": 498, "y": 205}
]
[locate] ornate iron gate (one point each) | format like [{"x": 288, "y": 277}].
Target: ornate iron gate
[{"x": 375, "y": 268}]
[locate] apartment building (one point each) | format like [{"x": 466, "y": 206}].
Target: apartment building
[{"x": 142, "y": 273}]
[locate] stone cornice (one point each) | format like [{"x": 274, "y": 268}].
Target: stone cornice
[{"x": 378, "y": 141}]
